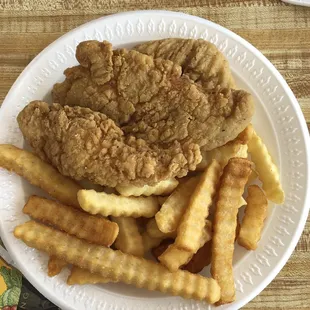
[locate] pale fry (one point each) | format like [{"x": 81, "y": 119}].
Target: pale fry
[
  {"x": 253, "y": 220},
  {"x": 232, "y": 184},
  {"x": 246, "y": 135},
  {"x": 169, "y": 216},
  {"x": 222, "y": 154},
  {"x": 85, "y": 226},
  {"x": 153, "y": 230},
  {"x": 116, "y": 265},
  {"x": 267, "y": 171},
  {"x": 83, "y": 276},
  {"x": 150, "y": 242},
  {"x": 129, "y": 239},
  {"x": 55, "y": 265},
  {"x": 111, "y": 204},
  {"x": 39, "y": 173},
  {"x": 173, "y": 258},
  {"x": 192, "y": 223},
  {"x": 162, "y": 188}
]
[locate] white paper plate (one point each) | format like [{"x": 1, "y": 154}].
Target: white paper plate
[
  {"x": 278, "y": 120},
  {"x": 298, "y": 2}
]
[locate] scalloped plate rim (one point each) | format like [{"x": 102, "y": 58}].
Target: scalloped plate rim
[{"x": 280, "y": 79}]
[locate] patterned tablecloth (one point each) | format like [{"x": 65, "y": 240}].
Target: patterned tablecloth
[
  {"x": 280, "y": 31},
  {"x": 17, "y": 293}
]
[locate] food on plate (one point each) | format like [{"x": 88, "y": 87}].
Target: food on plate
[
  {"x": 150, "y": 242},
  {"x": 233, "y": 180},
  {"x": 144, "y": 96},
  {"x": 83, "y": 276},
  {"x": 158, "y": 139},
  {"x": 173, "y": 257},
  {"x": 164, "y": 187},
  {"x": 39, "y": 173},
  {"x": 117, "y": 265},
  {"x": 153, "y": 230},
  {"x": 267, "y": 171},
  {"x": 129, "y": 239},
  {"x": 223, "y": 154},
  {"x": 75, "y": 222},
  {"x": 191, "y": 226},
  {"x": 170, "y": 213},
  {"x": 200, "y": 60},
  {"x": 55, "y": 265},
  {"x": 246, "y": 135},
  {"x": 91, "y": 146},
  {"x": 253, "y": 219},
  {"x": 111, "y": 204},
  {"x": 201, "y": 259}
]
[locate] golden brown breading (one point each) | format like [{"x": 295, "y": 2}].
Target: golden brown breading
[
  {"x": 199, "y": 59},
  {"x": 84, "y": 144},
  {"x": 151, "y": 99}
]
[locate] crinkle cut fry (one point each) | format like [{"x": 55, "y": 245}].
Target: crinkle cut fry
[
  {"x": 153, "y": 230},
  {"x": 117, "y": 265},
  {"x": 164, "y": 188},
  {"x": 192, "y": 223},
  {"x": 111, "y": 204},
  {"x": 92, "y": 228},
  {"x": 129, "y": 239},
  {"x": 169, "y": 215},
  {"x": 83, "y": 276},
  {"x": 267, "y": 171},
  {"x": 253, "y": 219},
  {"x": 173, "y": 257},
  {"x": 232, "y": 184},
  {"x": 39, "y": 173}
]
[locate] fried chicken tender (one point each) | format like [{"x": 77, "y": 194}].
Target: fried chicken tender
[
  {"x": 200, "y": 60},
  {"x": 84, "y": 144},
  {"x": 151, "y": 99}
]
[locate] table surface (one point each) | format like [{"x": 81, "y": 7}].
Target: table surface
[{"x": 281, "y": 32}]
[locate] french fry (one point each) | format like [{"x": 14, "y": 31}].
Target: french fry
[
  {"x": 222, "y": 154},
  {"x": 83, "y": 276},
  {"x": 201, "y": 259},
  {"x": 129, "y": 239},
  {"x": 150, "y": 242},
  {"x": 169, "y": 216},
  {"x": 246, "y": 135},
  {"x": 267, "y": 171},
  {"x": 85, "y": 226},
  {"x": 190, "y": 230},
  {"x": 153, "y": 230},
  {"x": 161, "y": 248},
  {"x": 253, "y": 220},
  {"x": 173, "y": 258},
  {"x": 162, "y": 188},
  {"x": 116, "y": 265},
  {"x": 110, "y": 204},
  {"x": 39, "y": 173},
  {"x": 232, "y": 184},
  {"x": 55, "y": 265}
]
